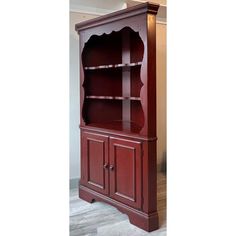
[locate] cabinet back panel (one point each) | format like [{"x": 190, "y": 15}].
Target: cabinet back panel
[
  {"x": 137, "y": 114},
  {"x": 102, "y": 50},
  {"x": 104, "y": 82},
  {"x": 102, "y": 111}
]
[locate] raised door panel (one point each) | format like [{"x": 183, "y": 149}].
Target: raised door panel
[
  {"x": 95, "y": 159},
  {"x": 125, "y": 171}
]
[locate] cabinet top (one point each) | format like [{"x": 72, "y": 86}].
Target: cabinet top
[{"x": 118, "y": 15}]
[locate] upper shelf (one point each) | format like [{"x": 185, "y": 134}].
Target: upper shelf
[{"x": 113, "y": 66}]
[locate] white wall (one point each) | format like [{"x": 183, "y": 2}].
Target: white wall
[
  {"x": 74, "y": 94},
  {"x": 161, "y": 94}
]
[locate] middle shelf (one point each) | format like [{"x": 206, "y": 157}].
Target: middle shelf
[
  {"x": 114, "y": 98},
  {"x": 120, "y": 65}
]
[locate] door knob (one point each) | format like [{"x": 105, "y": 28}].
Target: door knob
[
  {"x": 111, "y": 167},
  {"x": 105, "y": 166}
]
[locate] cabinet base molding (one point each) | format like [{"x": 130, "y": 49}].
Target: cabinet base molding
[{"x": 148, "y": 222}]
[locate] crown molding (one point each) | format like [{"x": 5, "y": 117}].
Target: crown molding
[
  {"x": 161, "y": 15},
  {"x": 127, "y": 12}
]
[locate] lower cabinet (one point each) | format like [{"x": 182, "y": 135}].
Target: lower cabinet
[{"x": 113, "y": 166}]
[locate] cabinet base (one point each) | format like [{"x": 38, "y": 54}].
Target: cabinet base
[{"x": 147, "y": 222}]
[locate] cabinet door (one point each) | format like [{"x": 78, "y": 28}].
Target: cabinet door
[
  {"x": 95, "y": 161},
  {"x": 125, "y": 171}
]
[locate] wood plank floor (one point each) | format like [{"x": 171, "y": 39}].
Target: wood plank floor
[{"x": 102, "y": 219}]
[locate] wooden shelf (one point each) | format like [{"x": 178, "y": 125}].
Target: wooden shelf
[
  {"x": 114, "y": 98},
  {"x": 118, "y": 125},
  {"x": 112, "y": 66}
]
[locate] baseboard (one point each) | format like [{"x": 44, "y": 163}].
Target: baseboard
[{"x": 74, "y": 183}]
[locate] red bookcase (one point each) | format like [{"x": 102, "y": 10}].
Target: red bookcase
[{"x": 118, "y": 112}]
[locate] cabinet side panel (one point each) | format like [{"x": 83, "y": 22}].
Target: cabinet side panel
[
  {"x": 151, "y": 73},
  {"x": 149, "y": 177}
]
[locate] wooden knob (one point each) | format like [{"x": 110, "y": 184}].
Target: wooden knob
[
  {"x": 111, "y": 167},
  {"x": 105, "y": 166}
]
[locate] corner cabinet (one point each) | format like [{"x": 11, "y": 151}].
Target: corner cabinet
[{"x": 118, "y": 112}]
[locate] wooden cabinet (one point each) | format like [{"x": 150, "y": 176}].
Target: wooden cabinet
[
  {"x": 118, "y": 112},
  {"x": 112, "y": 166}
]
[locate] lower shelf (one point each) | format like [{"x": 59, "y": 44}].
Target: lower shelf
[{"x": 118, "y": 125}]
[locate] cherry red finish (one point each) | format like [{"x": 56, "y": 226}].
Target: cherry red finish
[
  {"x": 118, "y": 112},
  {"x": 94, "y": 158},
  {"x": 125, "y": 178}
]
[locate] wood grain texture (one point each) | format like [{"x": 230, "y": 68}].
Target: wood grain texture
[{"x": 104, "y": 220}]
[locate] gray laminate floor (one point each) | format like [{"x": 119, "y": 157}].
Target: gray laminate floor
[{"x": 102, "y": 219}]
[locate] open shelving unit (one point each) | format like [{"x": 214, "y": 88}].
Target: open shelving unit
[{"x": 112, "y": 83}]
